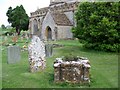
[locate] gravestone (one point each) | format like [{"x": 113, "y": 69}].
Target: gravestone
[
  {"x": 13, "y": 54},
  {"x": 48, "y": 50},
  {"x": 36, "y": 50}
]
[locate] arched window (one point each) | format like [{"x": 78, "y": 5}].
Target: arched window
[{"x": 35, "y": 26}]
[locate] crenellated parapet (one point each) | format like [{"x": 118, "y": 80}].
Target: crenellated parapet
[
  {"x": 39, "y": 12},
  {"x": 64, "y": 7},
  {"x": 58, "y": 7}
]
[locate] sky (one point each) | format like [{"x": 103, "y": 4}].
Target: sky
[{"x": 29, "y": 6}]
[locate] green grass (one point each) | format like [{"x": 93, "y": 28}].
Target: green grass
[{"x": 104, "y": 68}]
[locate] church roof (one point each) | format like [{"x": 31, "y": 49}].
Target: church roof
[{"x": 61, "y": 19}]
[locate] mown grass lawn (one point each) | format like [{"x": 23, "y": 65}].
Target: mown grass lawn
[{"x": 104, "y": 68}]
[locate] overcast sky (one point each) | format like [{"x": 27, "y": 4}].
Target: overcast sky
[{"x": 29, "y": 6}]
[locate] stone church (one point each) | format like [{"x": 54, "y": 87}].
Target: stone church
[{"x": 55, "y": 21}]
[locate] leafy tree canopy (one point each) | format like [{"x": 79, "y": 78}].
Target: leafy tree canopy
[
  {"x": 98, "y": 25},
  {"x": 18, "y": 18}
]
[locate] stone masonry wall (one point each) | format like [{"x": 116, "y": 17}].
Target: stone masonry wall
[{"x": 64, "y": 32}]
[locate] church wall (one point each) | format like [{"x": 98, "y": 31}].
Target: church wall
[
  {"x": 64, "y": 32},
  {"x": 48, "y": 21}
]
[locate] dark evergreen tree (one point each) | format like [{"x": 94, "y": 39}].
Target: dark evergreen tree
[{"x": 18, "y": 18}]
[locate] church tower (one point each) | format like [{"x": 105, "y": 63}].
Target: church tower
[{"x": 52, "y": 2}]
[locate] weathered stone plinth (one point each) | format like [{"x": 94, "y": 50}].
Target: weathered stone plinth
[
  {"x": 72, "y": 71},
  {"x": 36, "y": 51}
]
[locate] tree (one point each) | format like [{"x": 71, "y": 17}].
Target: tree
[
  {"x": 98, "y": 25},
  {"x": 18, "y": 18},
  {"x": 3, "y": 26}
]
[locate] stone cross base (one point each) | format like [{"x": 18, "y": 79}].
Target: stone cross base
[{"x": 72, "y": 71}]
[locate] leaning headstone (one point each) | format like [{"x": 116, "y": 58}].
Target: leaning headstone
[
  {"x": 13, "y": 54},
  {"x": 48, "y": 50},
  {"x": 36, "y": 50}
]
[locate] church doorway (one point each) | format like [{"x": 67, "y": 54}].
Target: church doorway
[{"x": 48, "y": 33}]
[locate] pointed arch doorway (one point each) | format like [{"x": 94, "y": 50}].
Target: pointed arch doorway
[{"x": 48, "y": 33}]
